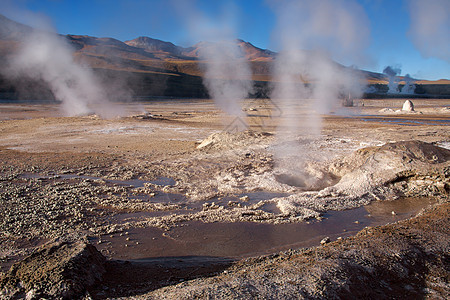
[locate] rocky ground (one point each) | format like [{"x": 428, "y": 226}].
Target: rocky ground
[{"x": 68, "y": 183}]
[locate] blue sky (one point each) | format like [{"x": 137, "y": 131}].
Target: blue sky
[{"x": 389, "y": 24}]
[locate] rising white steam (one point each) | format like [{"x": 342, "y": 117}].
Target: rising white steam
[
  {"x": 430, "y": 27},
  {"x": 328, "y": 30},
  {"x": 392, "y": 75},
  {"x": 227, "y": 74},
  {"x": 46, "y": 56},
  {"x": 308, "y": 83},
  {"x": 409, "y": 87}
]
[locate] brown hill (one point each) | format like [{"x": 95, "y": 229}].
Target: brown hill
[
  {"x": 253, "y": 53},
  {"x": 11, "y": 30},
  {"x": 160, "y": 49},
  {"x": 151, "y": 67},
  {"x": 169, "y": 51}
]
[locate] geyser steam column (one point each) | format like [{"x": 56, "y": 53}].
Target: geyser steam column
[
  {"x": 391, "y": 73},
  {"x": 227, "y": 73},
  {"x": 311, "y": 34},
  {"x": 308, "y": 83},
  {"x": 45, "y": 55}
]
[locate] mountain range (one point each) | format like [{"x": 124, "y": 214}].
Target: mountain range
[{"x": 147, "y": 67}]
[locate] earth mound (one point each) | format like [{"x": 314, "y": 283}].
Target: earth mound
[
  {"x": 400, "y": 169},
  {"x": 63, "y": 270},
  {"x": 227, "y": 140},
  {"x": 373, "y": 167}
]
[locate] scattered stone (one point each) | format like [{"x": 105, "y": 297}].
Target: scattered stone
[
  {"x": 408, "y": 106},
  {"x": 325, "y": 240},
  {"x": 244, "y": 198}
]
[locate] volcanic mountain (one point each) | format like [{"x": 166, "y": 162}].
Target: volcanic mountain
[{"x": 145, "y": 66}]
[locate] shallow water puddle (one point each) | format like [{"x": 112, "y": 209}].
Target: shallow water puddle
[
  {"x": 233, "y": 240},
  {"x": 244, "y": 239},
  {"x": 409, "y": 122}
]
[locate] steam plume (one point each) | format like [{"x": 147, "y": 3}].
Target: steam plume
[
  {"x": 309, "y": 81},
  {"x": 46, "y": 56},
  {"x": 330, "y": 30},
  {"x": 391, "y": 73},
  {"x": 409, "y": 86},
  {"x": 227, "y": 74},
  {"x": 430, "y": 27}
]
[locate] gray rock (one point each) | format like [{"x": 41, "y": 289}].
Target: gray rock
[
  {"x": 325, "y": 240},
  {"x": 408, "y": 106}
]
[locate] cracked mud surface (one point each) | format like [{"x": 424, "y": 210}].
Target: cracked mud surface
[{"x": 177, "y": 185}]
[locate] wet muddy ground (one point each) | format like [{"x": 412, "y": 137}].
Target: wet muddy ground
[
  {"x": 174, "y": 179},
  {"x": 245, "y": 239}
]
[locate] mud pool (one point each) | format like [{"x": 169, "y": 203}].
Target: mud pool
[{"x": 246, "y": 239}]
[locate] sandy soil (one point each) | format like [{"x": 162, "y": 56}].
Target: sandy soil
[{"x": 176, "y": 178}]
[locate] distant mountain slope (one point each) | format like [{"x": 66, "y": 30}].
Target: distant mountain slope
[
  {"x": 108, "y": 53},
  {"x": 143, "y": 53},
  {"x": 167, "y": 50},
  {"x": 11, "y": 30},
  {"x": 147, "y": 66},
  {"x": 160, "y": 49},
  {"x": 254, "y": 53}
]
